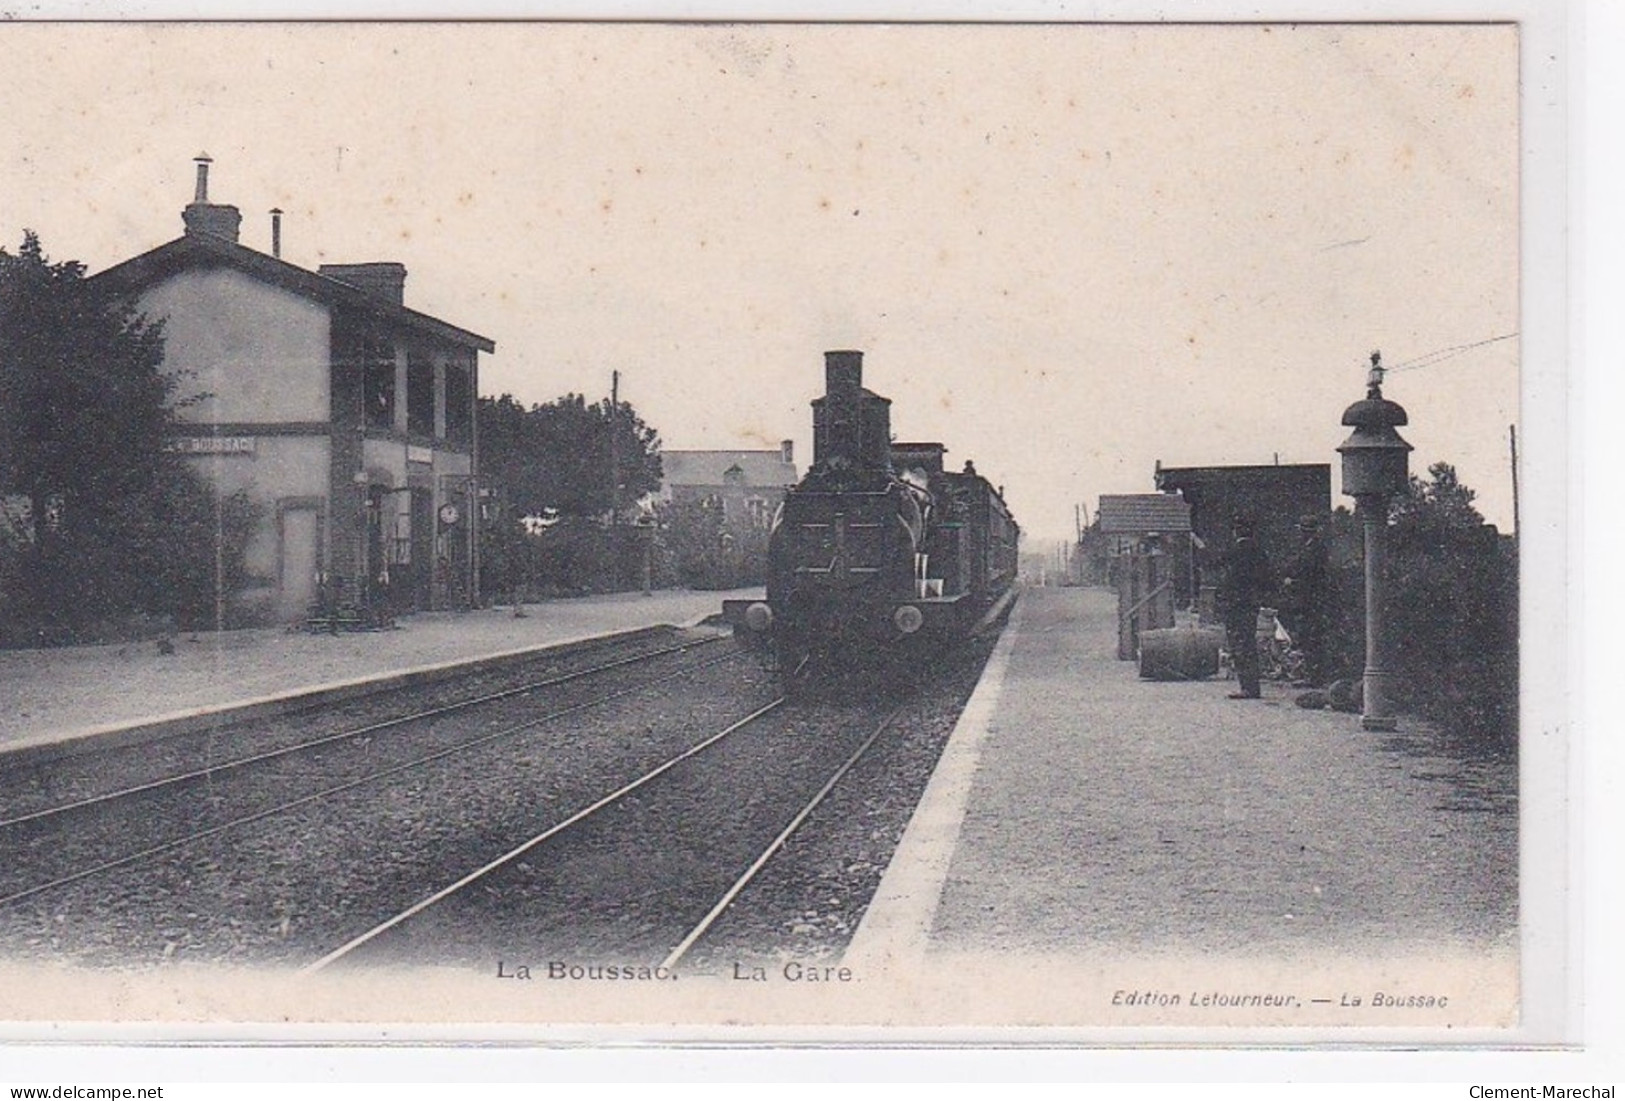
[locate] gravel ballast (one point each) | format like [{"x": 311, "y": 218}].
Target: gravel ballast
[{"x": 294, "y": 885}]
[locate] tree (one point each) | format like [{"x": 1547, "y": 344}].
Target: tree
[
  {"x": 554, "y": 461},
  {"x": 556, "y": 458},
  {"x": 104, "y": 522},
  {"x": 1451, "y": 611},
  {"x": 82, "y": 402},
  {"x": 1440, "y": 503}
]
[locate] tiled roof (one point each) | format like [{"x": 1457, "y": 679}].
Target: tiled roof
[
  {"x": 710, "y": 468},
  {"x": 196, "y": 249},
  {"x": 1136, "y": 513}
]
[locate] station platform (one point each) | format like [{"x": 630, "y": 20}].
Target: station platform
[
  {"x": 52, "y": 700},
  {"x": 1081, "y": 813}
]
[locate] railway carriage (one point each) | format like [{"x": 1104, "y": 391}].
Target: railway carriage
[{"x": 879, "y": 556}]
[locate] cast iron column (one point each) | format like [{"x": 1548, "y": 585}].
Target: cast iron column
[
  {"x": 1378, "y": 712},
  {"x": 1375, "y": 461}
]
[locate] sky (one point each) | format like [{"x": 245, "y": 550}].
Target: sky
[{"x": 1068, "y": 251}]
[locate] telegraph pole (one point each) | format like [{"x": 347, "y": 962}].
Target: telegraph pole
[
  {"x": 614, "y": 480},
  {"x": 614, "y": 448},
  {"x": 1512, "y": 439}
]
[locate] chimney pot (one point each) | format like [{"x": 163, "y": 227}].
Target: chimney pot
[
  {"x": 787, "y": 451},
  {"x": 200, "y": 194},
  {"x": 276, "y": 232}
]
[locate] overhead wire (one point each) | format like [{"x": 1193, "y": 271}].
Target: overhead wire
[{"x": 1443, "y": 354}]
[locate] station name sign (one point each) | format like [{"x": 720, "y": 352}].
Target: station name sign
[{"x": 211, "y": 445}]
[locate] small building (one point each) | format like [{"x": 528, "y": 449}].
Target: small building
[
  {"x": 1127, "y": 521},
  {"x": 1275, "y": 497},
  {"x": 747, "y": 486},
  {"x": 347, "y": 417}
]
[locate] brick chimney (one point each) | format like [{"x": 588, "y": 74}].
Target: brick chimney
[
  {"x": 202, "y": 216},
  {"x": 787, "y": 452},
  {"x": 384, "y": 280}
]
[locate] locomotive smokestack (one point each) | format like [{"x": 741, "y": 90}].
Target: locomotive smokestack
[
  {"x": 850, "y": 425},
  {"x": 843, "y": 371}
]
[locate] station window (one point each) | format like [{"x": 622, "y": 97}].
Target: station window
[
  {"x": 459, "y": 405},
  {"x": 419, "y": 394},
  {"x": 378, "y": 383}
]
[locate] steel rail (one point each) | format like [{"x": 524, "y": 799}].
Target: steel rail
[
  {"x": 519, "y": 850},
  {"x": 395, "y": 770},
  {"x": 676, "y": 955},
  {"x": 209, "y": 771}
]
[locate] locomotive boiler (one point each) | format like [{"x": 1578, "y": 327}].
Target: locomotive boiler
[{"x": 879, "y": 555}]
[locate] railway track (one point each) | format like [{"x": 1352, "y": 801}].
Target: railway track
[
  {"x": 672, "y": 881},
  {"x": 31, "y": 792},
  {"x": 30, "y": 837},
  {"x": 608, "y": 831}
]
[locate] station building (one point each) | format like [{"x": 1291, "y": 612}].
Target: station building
[
  {"x": 348, "y": 418},
  {"x": 1275, "y": 497}
]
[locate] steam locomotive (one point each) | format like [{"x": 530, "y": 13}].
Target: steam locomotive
[{"x": 879, "y": 554}]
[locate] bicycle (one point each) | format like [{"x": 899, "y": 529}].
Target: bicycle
[{"x": 1278, "y": 658}]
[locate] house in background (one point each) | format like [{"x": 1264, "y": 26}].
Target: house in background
[
  {"x": 347, "y": 417},
  {"x": 746, "y": 486}
]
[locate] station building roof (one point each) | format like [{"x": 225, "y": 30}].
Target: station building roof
[{"x": 206, "y": 249}]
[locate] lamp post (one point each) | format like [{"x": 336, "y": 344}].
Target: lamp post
[{"x": 1375, "y": 468}]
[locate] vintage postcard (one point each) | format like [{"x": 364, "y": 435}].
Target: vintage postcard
[{"x": 781, "y": 530}]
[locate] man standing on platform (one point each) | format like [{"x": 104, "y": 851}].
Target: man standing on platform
[
  {"x": 1305, "y": 601},
  {"x": 1246, "y": 581}
]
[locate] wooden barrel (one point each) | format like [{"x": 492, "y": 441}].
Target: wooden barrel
[{"x": 1180, "y": 653}]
